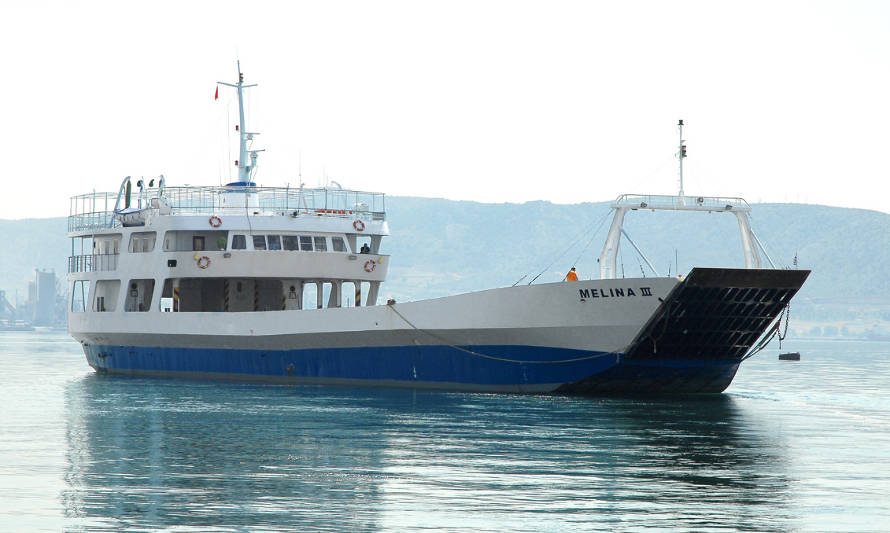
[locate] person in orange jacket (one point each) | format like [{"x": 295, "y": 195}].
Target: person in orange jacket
[{"x": 572, "y": 275}]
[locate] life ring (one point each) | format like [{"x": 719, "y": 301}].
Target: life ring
[
  {"x": 370, "y": 265},
  {"x": 203, "y": 262},
  {"x": 358, "y": 225},
  {"x": 215, "y": 221}
]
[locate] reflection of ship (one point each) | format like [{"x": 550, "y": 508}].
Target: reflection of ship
[
  {"x": 281, "y": 284},
  {"x": 151, "y": 457}
]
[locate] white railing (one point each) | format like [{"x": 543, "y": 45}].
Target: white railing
[
  {"x": 656, "y": 201},
  {"x": 96, "y": 210},
  {"x": 92, "y": 263}
]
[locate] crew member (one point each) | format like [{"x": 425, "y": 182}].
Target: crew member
[{"x": 572, "y": 275}]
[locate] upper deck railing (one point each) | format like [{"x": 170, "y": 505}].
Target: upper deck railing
[
  {"x": 96, "y": 210},
  {"x": 680, "y": 203}
]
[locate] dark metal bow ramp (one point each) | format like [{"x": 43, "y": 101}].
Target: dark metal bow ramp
[{"x": 696, "y": 339}]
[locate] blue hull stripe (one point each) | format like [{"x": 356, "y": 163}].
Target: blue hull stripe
[
  {"x": 407, "y": 366},
  {"x": 403, "y": 363}
]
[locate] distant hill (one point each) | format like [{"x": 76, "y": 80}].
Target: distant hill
[{"x": 442, "y": 247}]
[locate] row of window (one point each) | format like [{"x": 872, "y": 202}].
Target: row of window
[
  {"x": 305, "y": 243},
  {"x": 218, "y": 240}
]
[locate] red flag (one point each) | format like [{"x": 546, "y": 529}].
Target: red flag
[{"x": 216, "y": 96}]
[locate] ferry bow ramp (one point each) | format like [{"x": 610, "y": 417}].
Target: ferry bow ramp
[{"x": 700, "y": 333}]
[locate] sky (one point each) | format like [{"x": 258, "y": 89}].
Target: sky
[{"x": 488, "y": 101}]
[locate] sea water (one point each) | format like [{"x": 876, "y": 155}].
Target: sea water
[{"x": 791, "y": 446}]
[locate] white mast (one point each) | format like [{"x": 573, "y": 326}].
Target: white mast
[
  {"x": 244, "y": 168},
  {"x": 681, "y": 155},
  {"x": 632, "y": 202}
]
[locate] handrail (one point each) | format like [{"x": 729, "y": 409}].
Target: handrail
[
  {"x": 87, "y": 212},
  {"x": 673, "y": 202},
  {"x": 92, "y": 263}
]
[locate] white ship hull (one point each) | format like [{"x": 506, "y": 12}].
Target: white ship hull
[{"x": 540, "y": 338}]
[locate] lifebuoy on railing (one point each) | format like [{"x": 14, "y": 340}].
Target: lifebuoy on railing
[
  {"x": 358, "y": 225},
  {"x": 203, "y": 262},
  {"x": 215, "y": 221},
  {"x": 370, "y": 265}
]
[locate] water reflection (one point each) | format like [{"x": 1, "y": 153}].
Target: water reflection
[
  {"x": 520, "y": 462},
  {"x": 155, "y": 453},
  {"x": 150, "y": 453}
]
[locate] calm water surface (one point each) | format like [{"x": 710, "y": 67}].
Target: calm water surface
[{"x": 790, "y": 447}]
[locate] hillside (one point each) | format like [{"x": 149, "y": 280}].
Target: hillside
[{"x": 442, "y": 247}]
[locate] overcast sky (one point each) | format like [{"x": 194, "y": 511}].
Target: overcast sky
[{"x": 487, "y": 101}]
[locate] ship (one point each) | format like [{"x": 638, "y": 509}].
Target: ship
[{"x": 282, "y": 285}]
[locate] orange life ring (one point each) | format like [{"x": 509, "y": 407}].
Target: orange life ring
[
  {"x": 203, "y": 262},
  {"x": 358, "y": 225},
  {"x": 215, "y": 221},
  {"x": 370, "y": 265}
]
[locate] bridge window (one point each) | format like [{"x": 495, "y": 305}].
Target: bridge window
[
  {"x": 291, "y": 242},
  {"x": 107, "y": 245},
  {"x": 348, "y": 296},
  {"x": 274, "y": 242},
  {"x": 141, "y": 242},
  {"x": 107, "y": 291},
  {"x": 139, "y": 295},
  {"x": 305, "y": 243},
  {"x": 339, "y": 245},
  {"x": 321, "y": 244},
  {"x": 199, "y": 241},
  {"x": 239, "y": 242},
  {"x": 79, "y": 294},
  {"x": 310, "y": 296},
  {"x": 259, "y": 242}
]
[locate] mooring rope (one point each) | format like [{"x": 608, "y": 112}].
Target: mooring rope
[
  {"x": 492, "y": 357},
  {"x": 771, "y": 334}
]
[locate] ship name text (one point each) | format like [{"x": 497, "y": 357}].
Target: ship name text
[{"x": 615, "y": 292}]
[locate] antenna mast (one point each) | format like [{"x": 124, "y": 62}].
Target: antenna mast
[
  {"x": 244, "y": 168},
  {"x": 681, "y": 155}
]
